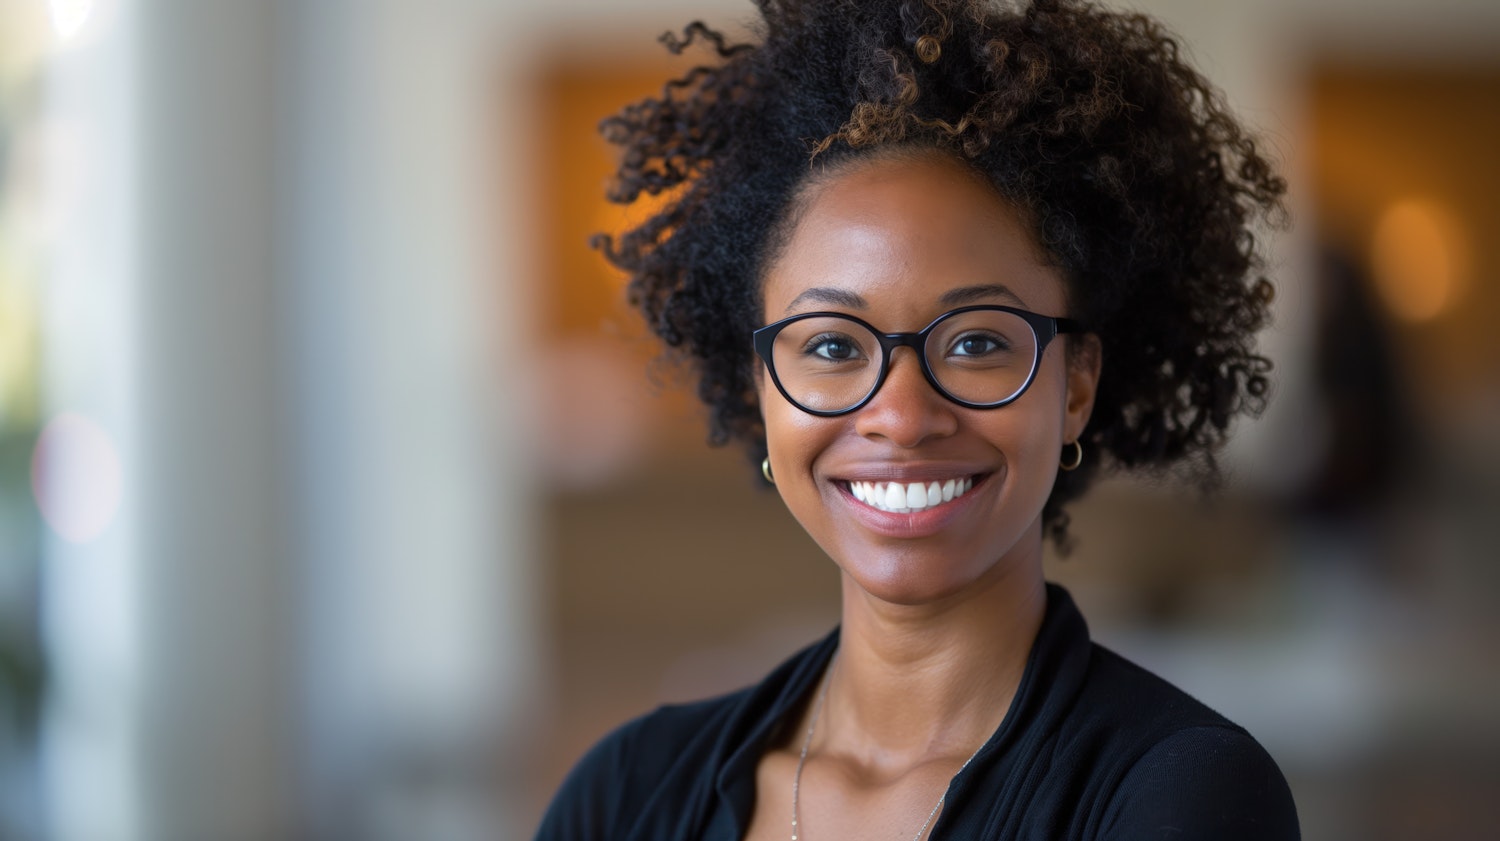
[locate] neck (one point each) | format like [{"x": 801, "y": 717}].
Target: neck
[{"x": 920, "y": 683}]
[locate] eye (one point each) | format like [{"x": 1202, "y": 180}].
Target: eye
[
  {"x": 978, "y": 344},
  {"x": 836, "y": 347}
]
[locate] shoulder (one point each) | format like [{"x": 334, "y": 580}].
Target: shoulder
[
  {"x": 627, "y": 766},
  {"x": 1145, "y": 701},
  {"x": 1185, "y": 771},
  {"x": 1207, "y": 782}
]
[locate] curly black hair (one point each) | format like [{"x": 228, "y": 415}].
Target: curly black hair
[{"x": 1137, "y": 181}]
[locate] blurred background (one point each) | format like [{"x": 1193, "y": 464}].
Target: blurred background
[{"x": 340, "y": 499}]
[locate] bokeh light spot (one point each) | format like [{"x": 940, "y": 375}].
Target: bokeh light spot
[
  {"x": 69, "y": 17},
  {"x": 76, "y": 477},
  {"x": 1419, "y": 255}
]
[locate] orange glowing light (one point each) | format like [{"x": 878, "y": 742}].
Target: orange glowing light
[{"x": 1420, "y": 258}]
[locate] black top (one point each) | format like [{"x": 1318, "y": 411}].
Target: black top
[{"x": 1093, "y": 747}]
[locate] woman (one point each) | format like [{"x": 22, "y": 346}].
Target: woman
[{"x": 935, "y": 263}]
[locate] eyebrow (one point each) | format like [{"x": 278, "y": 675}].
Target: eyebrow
[
  {"x": 828, "y": 295},
  {"x": 952, "y": 298},
  {"x": 973, "y": 294}
]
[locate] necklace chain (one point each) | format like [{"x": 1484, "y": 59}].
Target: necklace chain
[{"x": 812, "y": 725}]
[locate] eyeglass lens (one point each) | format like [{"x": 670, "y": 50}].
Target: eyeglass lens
[{"x": 828, "y": 363}]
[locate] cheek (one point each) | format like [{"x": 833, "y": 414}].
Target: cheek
[
  {"x": 796, "y": 441},
  {"x": 793, "y": 437},
  {"x": 1036, "y": 440},
  {"x": 1030, "y": 431}
]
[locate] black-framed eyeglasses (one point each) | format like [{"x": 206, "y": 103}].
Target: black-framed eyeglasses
[{"x": 980, "y": 357}]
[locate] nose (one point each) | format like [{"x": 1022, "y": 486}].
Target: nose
[{"x": 906, "y": 410}]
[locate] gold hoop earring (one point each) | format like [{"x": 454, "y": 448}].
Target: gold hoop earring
[
  {"x": 1077, "y": 458},
  {"x": 765, "y": 469}
]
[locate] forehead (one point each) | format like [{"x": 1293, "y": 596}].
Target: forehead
[{"x": 899, "y": 233}]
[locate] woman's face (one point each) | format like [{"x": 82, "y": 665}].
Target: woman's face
[{"x": 896, "y": 243}]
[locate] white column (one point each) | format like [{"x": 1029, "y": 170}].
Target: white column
[
  {"x": 217, "y": 757},
  {"x": 407, "y": 317},
  {"x": 93, "y": 619}
]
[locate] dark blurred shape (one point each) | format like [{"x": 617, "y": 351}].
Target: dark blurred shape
[{"x": 1373, "y": 442}]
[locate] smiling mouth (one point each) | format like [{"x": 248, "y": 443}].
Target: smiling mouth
[{"x": 909, "y": 497}]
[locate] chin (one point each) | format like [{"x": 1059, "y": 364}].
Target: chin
[
  {"x": 930, "y": 572},
  {"x": 916, "y": 578}
]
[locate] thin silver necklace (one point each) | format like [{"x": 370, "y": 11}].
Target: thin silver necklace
[{"x": 807, "y": 742}]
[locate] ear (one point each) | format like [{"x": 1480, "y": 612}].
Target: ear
[{"x": 1085, "y": 359}]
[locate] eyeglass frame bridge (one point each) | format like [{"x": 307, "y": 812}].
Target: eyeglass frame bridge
[{"x": 1044, "y": 328}]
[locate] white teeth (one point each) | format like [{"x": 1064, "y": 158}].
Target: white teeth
[
  {"x": 901, "y": 497},
  {"x": 916, "y": 495},
  {"x": 894, "y": 498}
]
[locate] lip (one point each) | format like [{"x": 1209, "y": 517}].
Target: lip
[{"x": 916, "y": 524}]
